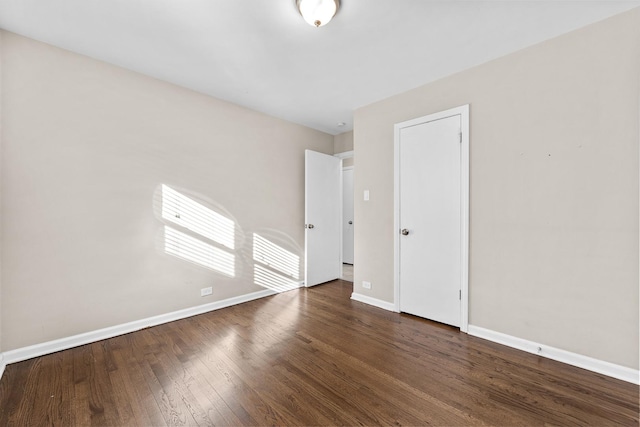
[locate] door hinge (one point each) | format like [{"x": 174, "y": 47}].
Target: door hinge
[
  {"x": 460, "y": 137},
  {"x": 460, "y": 294}
]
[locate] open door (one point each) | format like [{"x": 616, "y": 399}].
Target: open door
[{"x": 322, "y": 218}]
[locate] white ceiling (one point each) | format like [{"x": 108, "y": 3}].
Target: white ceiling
[{"x": 262, "y": 55}]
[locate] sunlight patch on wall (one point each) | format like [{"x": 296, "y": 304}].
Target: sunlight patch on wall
[
  {"x": 271, "y": 280},
  {"x": 198, "y": 252},
  {"x": 185, "y": 212},
  {"x": 276, "y": 257},
  {"x": 275, "y": 268}
]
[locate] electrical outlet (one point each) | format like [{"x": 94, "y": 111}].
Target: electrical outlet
[
  {"x": 366, "y": 285},
  {"x": 206, "y": 291}
]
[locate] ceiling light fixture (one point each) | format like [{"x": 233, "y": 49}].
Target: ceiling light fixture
[{"x": 318, "y": 12}]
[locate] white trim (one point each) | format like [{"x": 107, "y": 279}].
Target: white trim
[
  {"x": 48, "y": 347},
  {"x": 341, "y": 218},
  {"x": 373, "y": 301},
  {"x": 344, "y": 154},
  {"x": 347, "y": 168},
  {"x": 3, "y": 365},
  {"x": 464, "y": 206},
  {"x": 396, "y": 218},
  {"x": 463, "y": 112},
  {"x": 564, "y": 356}
]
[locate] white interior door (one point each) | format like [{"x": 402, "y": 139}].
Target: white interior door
[
  {"x": 322, "y": 218},
  {"x": 430, "y": 219},
  {"x": 347, "y": 215}
]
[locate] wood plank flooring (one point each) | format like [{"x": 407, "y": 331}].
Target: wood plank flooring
[{"x": 307, "y": 357}]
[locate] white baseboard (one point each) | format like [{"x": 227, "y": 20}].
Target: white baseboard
[
  {"x": 585, "y": 362},
  {"x": 574, "y": 359},
  {"x": 373, "y": 301},
  {"x": 36, "y": 350}
]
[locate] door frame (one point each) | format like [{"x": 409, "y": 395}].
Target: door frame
[{"x": 463, "y": 112}]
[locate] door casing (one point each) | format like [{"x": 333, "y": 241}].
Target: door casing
[{"x": 463, "y": 112}]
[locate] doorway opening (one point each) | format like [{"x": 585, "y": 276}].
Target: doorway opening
[{"x": 347, "y": 245}]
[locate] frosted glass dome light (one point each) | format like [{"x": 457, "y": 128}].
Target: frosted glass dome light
[{"x": 318, "y": 12}]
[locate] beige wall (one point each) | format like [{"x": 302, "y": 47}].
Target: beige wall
[
  {"x": 85, "y": 147},
  {"x": 554, "y": 189},
  {"x": 343, "y": 142}
]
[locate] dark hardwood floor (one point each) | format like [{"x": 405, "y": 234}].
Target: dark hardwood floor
[{"x": 307, "y": 357}]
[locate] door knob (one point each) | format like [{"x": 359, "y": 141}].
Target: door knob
[
  {"x": 309, "y": 226},
  {"x": 405, "y": 232},
  {"x": 350, "y": 222}
]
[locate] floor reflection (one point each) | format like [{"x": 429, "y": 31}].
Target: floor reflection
[{"x": 347, "y": 272}]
